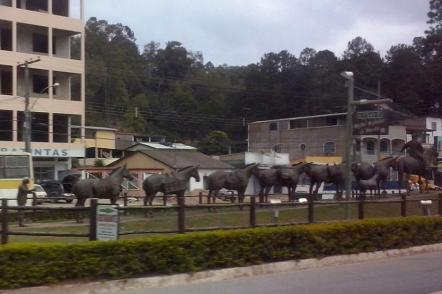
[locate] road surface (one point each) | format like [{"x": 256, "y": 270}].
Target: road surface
[{"x": 417, "y": 274}]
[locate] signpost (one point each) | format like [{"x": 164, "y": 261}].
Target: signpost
[
  {"x": 370, "y": 123},
  {"x": 107, "y": 222}
]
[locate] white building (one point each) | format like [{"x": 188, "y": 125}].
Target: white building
[{"x": 48, "y": 31}]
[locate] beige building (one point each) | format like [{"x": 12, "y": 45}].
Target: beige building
[{"x": 50, "y": 31}]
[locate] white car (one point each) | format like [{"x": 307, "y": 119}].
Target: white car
[{"x": 40, "y": 193}]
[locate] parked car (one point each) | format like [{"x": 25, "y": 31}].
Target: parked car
[
  {"x": 40, "y": 194},
  {"x": 56, "y": 192}
]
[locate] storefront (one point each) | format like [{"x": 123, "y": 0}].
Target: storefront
[{"x": 49, "y": 163}]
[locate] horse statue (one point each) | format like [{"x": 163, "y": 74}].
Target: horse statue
[
  {"x": 408, "y": 165},
  {"x": 175, "y": 184},
  {"x": 319, "y": 174},
  {"x": 289, "y": 177},
  {"x": 107, "y": 188},
  {"x": 236, "y": 180},
  {"x": 363, "y": 171},
  {"x": 267, "y": 178}
]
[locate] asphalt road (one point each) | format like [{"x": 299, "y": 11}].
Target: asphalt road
[{"x": 417, "y": 274}]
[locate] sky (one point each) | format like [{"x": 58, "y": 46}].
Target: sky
[{"x": 240, "y": 32}]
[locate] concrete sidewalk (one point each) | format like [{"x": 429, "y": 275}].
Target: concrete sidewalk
[{"x": 219, "y": 275}]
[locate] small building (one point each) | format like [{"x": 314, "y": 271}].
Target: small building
[
  {"x": 322, "y": 135},
  {"x": 141, "y": 146},
  {"x": 147, "y": 162}
]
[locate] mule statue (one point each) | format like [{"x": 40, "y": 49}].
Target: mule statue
[
  {"x": 107, "y": 188},
  {"x": 236, "y": 180},
  {"x": 409, "y": 165},
  {"x": 175, "y": 184},
  {"x": 267, "y": 178}
]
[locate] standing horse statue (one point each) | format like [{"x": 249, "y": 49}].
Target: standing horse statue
[
  {"x": 175, "y": 184},
  {"x": 289, "y": 177},
  {"x": 364, "y": 171},
  {"x": 267, "y": 178},
  {"x": 408, "y": 165},
  {"x": 236, "y": 180},
  {"x": 107, "y": 188},
  {"x": 319, "y": 174}
]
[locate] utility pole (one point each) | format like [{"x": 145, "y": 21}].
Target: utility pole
[
  {"x": 27, "y": 123},
  {"x": 379, "y": 130}
]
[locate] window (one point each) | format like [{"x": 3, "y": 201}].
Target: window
[
  {"x": 273, "y": 126},
  {"x": 329, "y": 148},
  {"x": 14, "y": 167},
  {"x": 5, "y": 125},
  {"x": 6, "y": 80},
  {"x": 298, "y": 124},
  {"x": 434, "y": 126},
  {"x": 385, "y": 147},
  {"x": 39, "y": 84},
  {"x": 39, "y": 43},
  {"x": 370, "y": 147}
]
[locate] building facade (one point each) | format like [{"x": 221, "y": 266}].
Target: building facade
[
  {"x": 322, "y": 135},
  {"x": 47, "y": 32}
]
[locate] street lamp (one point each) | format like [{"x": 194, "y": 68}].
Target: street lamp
[{"x": 349, "y": 76}]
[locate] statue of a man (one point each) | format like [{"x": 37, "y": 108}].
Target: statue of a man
[
  {"x": 22, "y": 197},
  {"x": 415, "y": 149}
]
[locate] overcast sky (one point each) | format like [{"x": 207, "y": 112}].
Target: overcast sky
[{"x": 239, "y": 32}]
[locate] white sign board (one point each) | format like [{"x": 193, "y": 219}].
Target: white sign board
[
  {"x": 107, "y": 222},
  {"x": 48, "y": 152}
]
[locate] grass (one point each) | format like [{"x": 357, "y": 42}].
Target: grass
[{"x": 220, "y": 217}]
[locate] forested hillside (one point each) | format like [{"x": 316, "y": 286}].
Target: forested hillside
[{"x": 167, "y": 89}]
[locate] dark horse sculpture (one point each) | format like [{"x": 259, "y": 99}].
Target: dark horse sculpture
[
  {"x": 107, "y": 188},
  {"x": 377, "y": 172},
  {"x": 408, "y": 165},
  {"x": 319, "y": 174},
  {"x": 236, "y": 180},
  {"x": 175, "y": 183},
  {"x": 286, "y": 176}
]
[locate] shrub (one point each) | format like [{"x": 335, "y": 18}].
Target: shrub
[{"x": 33, "y": 264}]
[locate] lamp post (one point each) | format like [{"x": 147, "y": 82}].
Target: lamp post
[{"x": 351, "y": 103}]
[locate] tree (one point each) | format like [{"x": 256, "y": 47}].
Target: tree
[
  {"x": 216, "y": 143},
  {"x": 306, "y": 55},
  {"x": 357, "y": 47}
]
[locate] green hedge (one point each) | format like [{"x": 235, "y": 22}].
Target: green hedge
[{"x": 32, "y": 264}]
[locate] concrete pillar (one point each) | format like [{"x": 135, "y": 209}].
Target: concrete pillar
[
  {"x": 50, "y": 6},
  {"x": 14, "y": 36},
  {"x": 51, "y": 82},
  {"x": 82, "y": 10},
  {"x": 50, "y": 43},
  {"x": 15, "y": 126},
  {"x": 14, "y": 3},
  {"x": 14, "y": 81},
  {"x": 51, "y": 127}
]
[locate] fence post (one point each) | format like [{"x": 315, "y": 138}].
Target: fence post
[
  {"x": 440, "y": 204},
  {"x": 34, "y": 203},
  {"x": 181, "y": 214},
  {"x": 311, "y": 209},
  {"x": 125, "y": 202},
  {"x": 93, "y": 220},
  {"x": 200, "y": 197},
  {"x": 404, "y": 205},
  {"x": 361, "y": 212},
  {"x": 164, "y": 199},
  {"x": 252, "y": 211},
  {"x": 5, "y": 222}
]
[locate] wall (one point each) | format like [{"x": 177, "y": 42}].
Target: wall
[{"x": 261, "y": 139}]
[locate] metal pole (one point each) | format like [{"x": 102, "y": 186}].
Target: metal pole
[
  {"x": 93, "y": 219},
  {"x": 4, "y": 222},
  {"x": 349, "y": 143},
  {"x": 379, "y": 131},
  {"x": 27, "y": 121}
]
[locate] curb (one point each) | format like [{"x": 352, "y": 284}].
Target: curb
[{"x": 220, "y": 275}]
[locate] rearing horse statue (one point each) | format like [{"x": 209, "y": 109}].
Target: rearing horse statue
[
  {"x": 107, "y": 188},
  {"x": 169, "y": 184}
]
